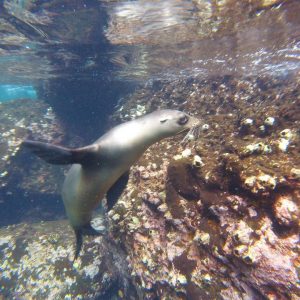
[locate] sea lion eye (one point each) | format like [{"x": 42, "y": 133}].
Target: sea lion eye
[{"x": 183, "y": 120}]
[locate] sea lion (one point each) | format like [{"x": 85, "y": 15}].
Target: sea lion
[{"x": 103, "y": 167}]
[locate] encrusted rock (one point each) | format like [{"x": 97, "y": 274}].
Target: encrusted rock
[
  {"x": 286, "y": 209},
  {"x": 197, "y": 162},
  {"x": 36, "y": 262},
  {"x": 295, "y": 173},
  {"x": 242, "y": 234},
  {"x": 263, "y": 183},
  {"x": 186, "y": 153},
  {"x": 202, "y": 237},
  {"x": 269, "y": 121}
]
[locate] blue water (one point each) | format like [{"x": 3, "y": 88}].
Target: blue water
[{"x": 11, "y": 92}]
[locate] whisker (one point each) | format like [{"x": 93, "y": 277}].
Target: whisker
[
  {"x": 192, "y": 134},
  {"x": 197, "y": 132}
]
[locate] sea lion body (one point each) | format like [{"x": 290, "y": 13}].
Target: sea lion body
[{"x": 97, "y": 167}]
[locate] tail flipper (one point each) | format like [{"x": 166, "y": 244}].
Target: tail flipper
[
  {"x": 58, "y": 155},
  {"x": 79, "y": 233}
]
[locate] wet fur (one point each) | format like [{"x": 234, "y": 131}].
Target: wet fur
[{"x": 97, "y": 167}]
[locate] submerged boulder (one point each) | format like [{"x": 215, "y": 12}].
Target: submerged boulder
[
  {"x": 219, "y": 245},
  {"x": 36, "y": 262},
  {"x": 217, "y": 217}
]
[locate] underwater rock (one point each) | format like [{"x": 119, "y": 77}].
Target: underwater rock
[
  {"x": 37, "y": 120},
  {"x": 153, "y": 199},
  {"x": 286, "y": 209},
  {"x": 180, "y": 177},
  {"x": 184, "y": 252},
  {"x": 190, "y": 230},
  {"x": 224, "y": 229},
  {"x": 36, "y": 262},
  {"x": 227, "y": 226},
  {"x": 188, "y": 253}
]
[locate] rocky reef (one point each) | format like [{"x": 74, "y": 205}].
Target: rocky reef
[
  {"x": 36, "y": 262},
  {"x": 208, "y": 217},
  {"x": 211, "y": 217},
  {"x": 218, "y": 216}
]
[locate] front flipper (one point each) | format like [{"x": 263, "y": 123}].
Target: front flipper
[
  {"x": 116, "y": 190},
  {"x": 79, "y": 233}
]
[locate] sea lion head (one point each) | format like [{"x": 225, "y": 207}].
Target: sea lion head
[{"x": 171, "y": 122}]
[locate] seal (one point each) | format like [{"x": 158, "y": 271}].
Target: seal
[{"x": 102, "y": 168}]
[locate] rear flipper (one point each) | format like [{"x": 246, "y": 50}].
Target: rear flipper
[
  {"x": 58, "y": 155},
  {"x": 79, "y": 233}
]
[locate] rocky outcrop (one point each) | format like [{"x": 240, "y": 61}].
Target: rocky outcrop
[
  {"x": 36, "y": 262},
  {"x": 198, "y": 242},
  {"x": 213, "y": 217},
  {"x": 218, "y": 216}
]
